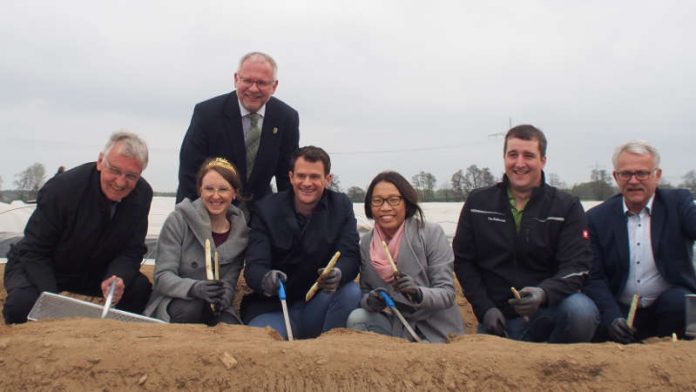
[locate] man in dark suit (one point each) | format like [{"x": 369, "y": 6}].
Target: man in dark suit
[
  {"x": 642, "y": 240},
  {"x": 248, "y": 127}
]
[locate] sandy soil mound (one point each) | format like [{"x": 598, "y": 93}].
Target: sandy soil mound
[{"x": 90, "y": 354}]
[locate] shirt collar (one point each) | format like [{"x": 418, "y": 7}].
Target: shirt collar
[
  {"x": 647, "y": 208},
  {"x": 244, "y": 112}
]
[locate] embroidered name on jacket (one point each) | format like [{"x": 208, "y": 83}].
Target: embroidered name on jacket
[{"x": 494, "y": 216}]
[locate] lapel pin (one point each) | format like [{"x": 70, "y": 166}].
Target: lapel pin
[{"x": 275, "y": 130}]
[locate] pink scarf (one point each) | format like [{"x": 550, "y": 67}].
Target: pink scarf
[{"x": 379, "y": 257}]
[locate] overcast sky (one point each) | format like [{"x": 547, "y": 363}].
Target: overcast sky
[{"x": 402, "y": 85}]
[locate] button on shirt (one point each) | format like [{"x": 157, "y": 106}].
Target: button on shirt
[{"x": 644, "y": 278}]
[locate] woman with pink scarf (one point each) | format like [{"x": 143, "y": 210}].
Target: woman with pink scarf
[{"x": 423, "y": 289}]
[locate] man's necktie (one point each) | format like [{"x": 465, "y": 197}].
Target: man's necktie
[{"x": 252, "y": 142}]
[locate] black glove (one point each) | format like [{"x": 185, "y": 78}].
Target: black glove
[
  {"x": 330, "y": 282},
  {"x": 407, "y": 286},
  {"x": 374, "y": 301},
  {"x": 619, "y": 331},
  {"x": 494, "y": 322},
  {"x": 531, "y": 299},
  {"x": 223, "y": 302},
  {"x": 271, "y": 281},
  {"x": 209, "y": 291}
]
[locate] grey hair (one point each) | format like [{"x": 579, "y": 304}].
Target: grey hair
[
  {"x": 131, "y": 146},
  {"x": 260, "y": 56},
  {"x": 638, "y": 147}
]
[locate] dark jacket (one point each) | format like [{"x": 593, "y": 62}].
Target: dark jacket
[
  {"x": 72, "y": 243},
  {"x": 550, "y": 251},
  {"x": 277, "y": 242},
  {"x": 672, "y": 232},
  {"x": 216, "y": 131}
]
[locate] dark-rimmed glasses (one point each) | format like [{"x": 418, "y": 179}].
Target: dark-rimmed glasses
[
  {"x": 259, "y": 83},
  {"x": 391, "y": 200},
  {"x": 640, "y": 175},
  {"x": 117, "y": 172}
]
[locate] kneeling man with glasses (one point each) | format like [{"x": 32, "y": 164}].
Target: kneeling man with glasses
[{"x": 642, "y": 240}]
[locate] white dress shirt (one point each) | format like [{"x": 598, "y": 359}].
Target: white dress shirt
[{"x": 644, "y": 278}]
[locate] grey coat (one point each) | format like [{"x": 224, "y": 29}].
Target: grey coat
[
  {"x": 426, "y": 255},
  {"x": 180, "y": 255}
]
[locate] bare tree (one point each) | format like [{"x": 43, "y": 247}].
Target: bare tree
[
  {"x": 476, "y": 178},
  {"x": 554, "y": 180},
  {"x": 425, "y": 185},
  {"x": 689, "y": 181},
  {"x": 356, "y": 194},
  {"x": 601, "y": 184},
  {"x": 335, "y": 183},
  {"x": 457, "y": 185},
  {"x": 30, "y": 180}
]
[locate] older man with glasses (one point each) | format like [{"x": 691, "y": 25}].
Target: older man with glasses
[
  {"x": 87, "y": 231},
  {"x": 642, "y": 240},
  {"x": 248, "y": 127}
]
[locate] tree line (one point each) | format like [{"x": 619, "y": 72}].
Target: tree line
[
  {"x": 456, "y": 189},
  {"x": 461, "y": 183}
]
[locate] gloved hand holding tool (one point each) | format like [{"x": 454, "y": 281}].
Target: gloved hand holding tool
[
  {"x": 529, "y": 301},
  {"x": 209, "y": 291},
  {"x": 374, "y": 301},
  {"x": 330, "y": 281},
  {"x": 408, "y": 286},
  {"x": 620, "y": 331},
  {"x": 271, "y": 281},
  {"x": 315, "y": 287},
  {"x": 397, "y": 313}
]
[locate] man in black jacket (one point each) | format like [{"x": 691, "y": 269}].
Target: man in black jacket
[
  {"x": 293, "y": 236},
  {"x": 249, "y": 127},
  {"x": 522, "y": 233},
  {"x": 88, "y": 229}
]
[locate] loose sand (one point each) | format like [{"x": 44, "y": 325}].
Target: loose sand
[{"x": 90, "y": 354}]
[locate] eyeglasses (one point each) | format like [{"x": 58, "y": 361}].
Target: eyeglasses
[
  {"x": 222, "y": 191},
  {"x": 259, "y": 83},
  {"x": 116, "y": 172},
  {"x": 391, "y": 200},
  {"x": 640, "y": 175}
]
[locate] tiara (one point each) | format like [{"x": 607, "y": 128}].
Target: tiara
[{"x": 222, "y": 162}]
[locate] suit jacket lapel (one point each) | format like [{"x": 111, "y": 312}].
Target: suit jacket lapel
[
  {"x": 235, "y": 134},
  {"x": 621, "y": 234},
  {"x": 657, "y": 224}
]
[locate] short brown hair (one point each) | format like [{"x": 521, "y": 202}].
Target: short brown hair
[
  {"x": 311, "y": 154},
  {"x": 222, "y": 167},
  {"x": 526, "y": 132}
]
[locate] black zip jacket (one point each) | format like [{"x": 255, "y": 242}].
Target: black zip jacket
[
  {"x": 72, "y": 243},
  {"x": 551, "y": 250},
  {"x": 277, "y": 241}
]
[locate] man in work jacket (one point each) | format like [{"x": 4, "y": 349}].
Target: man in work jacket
[{"x": 526, "y": 235}]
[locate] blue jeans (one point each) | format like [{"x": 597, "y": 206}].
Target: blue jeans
[
  {"x": 573, "y": 320},
  {"x": 308, "y": 320},
  {"x": 364, "y": 320}
]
